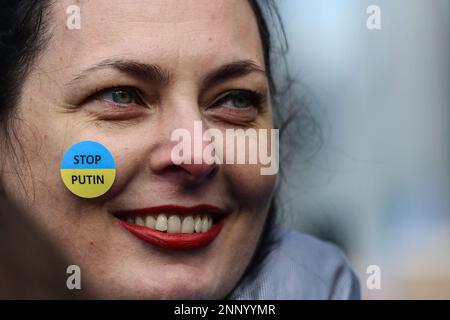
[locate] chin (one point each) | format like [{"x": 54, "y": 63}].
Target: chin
[{"x": 167, "y": 286}]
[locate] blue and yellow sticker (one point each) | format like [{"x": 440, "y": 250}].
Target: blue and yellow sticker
[{"x": 88, "y": 169}]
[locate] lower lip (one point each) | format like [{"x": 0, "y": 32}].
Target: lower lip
[{"x": 179, "y": 241}]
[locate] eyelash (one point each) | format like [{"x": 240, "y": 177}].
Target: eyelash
[
  {"x": 134, "y": 92},
  {"x": 255, "y": 99}
]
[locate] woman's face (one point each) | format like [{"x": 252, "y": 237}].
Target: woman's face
[{"x": 134, "y": 72}]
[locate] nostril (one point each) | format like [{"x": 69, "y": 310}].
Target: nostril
[
  {"x": 199, "y": 171},
  {"x": 163, "y": 166},
  {"x": 188, "y": 175}
]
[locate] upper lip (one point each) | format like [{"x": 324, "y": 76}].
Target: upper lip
[{"x": 176, "y": 209}]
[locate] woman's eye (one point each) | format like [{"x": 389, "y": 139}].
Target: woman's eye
[
  {"x": 120, "y": 96},
  {"x": 240, "y": 99}
]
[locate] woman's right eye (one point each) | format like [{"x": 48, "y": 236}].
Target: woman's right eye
[{"x": 121, "y": 97}]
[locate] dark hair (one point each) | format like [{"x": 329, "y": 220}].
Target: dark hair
[
  {"x": 289, "y": 114},
  {"x": 22, "y": 36},
  {"x": 24, "y": 33}
]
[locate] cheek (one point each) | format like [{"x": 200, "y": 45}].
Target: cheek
[
  {"x": 253, "y": 190},
  {"x": 35, "y": 181}
]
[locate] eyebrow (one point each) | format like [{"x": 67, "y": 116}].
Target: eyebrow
[
  {"x": 232, "y": 70},
  {"x": 154, "y": 73},
  {"x": 150, "y": 72}
]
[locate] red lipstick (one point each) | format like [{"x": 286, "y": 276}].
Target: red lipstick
[{"x": 181, "y": 241}]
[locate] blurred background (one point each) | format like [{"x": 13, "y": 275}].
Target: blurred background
[{"x": 380, "y": 184}]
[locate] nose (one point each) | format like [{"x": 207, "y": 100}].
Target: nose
[{"x": 193, "y": 169}]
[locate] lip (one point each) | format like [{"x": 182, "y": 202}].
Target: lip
[
  {"x": 201, "y": 208},
  {"x": 179, "y": 241}
]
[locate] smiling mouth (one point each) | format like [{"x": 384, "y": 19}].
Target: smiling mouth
[{"x": 174, "y": 227}]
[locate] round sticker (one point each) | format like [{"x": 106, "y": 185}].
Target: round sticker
[{"x": 88, "y": 169}]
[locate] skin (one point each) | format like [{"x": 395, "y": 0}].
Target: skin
[{"x": 188, "y": 40}]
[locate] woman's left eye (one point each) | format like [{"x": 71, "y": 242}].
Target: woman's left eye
[
  {"x": 240, "y": 99},
  {"x": 120, "y": 96}
]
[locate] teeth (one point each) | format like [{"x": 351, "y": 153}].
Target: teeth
[
  {"x": 198, "y": 224},
  {"x": 161, "y": 223},
  {"x": 205, "y": 224},
  {"x": 140, "y": 221},
  {"x": 210, "y": 220},
  {"x": 173, "y": 224},
  {"x": 150, "y": 222},
  {"x": 188, "y": 225}
]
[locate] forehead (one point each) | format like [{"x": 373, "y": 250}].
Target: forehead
[{"x": 172, "y": 33}]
